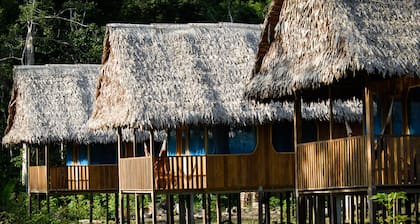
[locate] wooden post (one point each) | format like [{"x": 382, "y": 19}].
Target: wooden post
[
  {"x": 47, "y": 170},
  {"x": 153, "y": 199},
  {"x": 190, "y": 204},
  {"x": 142, "y": 207},
  {"x": 218, "y": 208},
  {"x": 331, "y": 113},
  {"x": 204, "y": 206},
  {"x": 267, "y": 207},
  {"x": 238, "y": 210},
  {"x": 28, "y": 187},
  {"x": 170, "y": 208},
  {"x": 107, "y": 207},
  {"x": 136, "y": 207},
  {"x": 260, "y": 209},
  {"x": 229, "y": 208},
  {"x": 297, "y": 137},
  {"x": 288, "y": 207},
  {"x": 369, "y": 147},
  {"x": 181, "y": 203},
  {"x": 120, "y": 195},
  {"x": 134, "y": 139},
  {"x": 209, "y": 208},
  {"x": 116, "y": 207},
  {"x": 127, "y": 207},
  {"x": 90, "y": 208}
]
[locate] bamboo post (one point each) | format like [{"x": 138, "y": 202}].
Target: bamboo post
[
  {"x": 153, "y": 196},
  {"x": 218, "y": 208}
]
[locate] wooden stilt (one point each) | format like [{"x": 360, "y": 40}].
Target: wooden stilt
[
  {"x": 310, "y": 205},
  {"x": 288, "y": 207},
  {"x": 229, "y": 208},
  {"x": 39, "y": 202},
  {"x": 362, "y": 209},
  {"x": 267, "y": 207},
  {"x": 116, "y": 208},
  {"x": 203, "y": 208},
  {"x": 142, "y": 207},
  {"x": 191, "y": 208},
  {"x": 29, "y": 204},
  {"x": 238, "y": 209},
  {"x": 260, "y": 207},
  {"x": 219, "y": 209},
  {"x": 128, "y": 208},
  {"x": 136, "y": 207},
  {"x": 416, "y": 208},
  {"x": 320, "y": 209},
  {"x": 182, "y": 212},
  {"x": 333, "y": 205},
  {"x": 107, "y": 208},
  {"x": 154, "y": 215},
  {"x": 90, "y": 208},
  {"x": 281, "y": 207},
  {"x": 170, "y": 209},
  {"x": 121, "y": 215},
  {"x": 209, "y": 208}
]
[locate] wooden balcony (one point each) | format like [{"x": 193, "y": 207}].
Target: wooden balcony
[
  {"x": 342, "y": 163},
  {"x": 74, "y": 178},
  {"x": 270, "y": 170},
  {"x": 396, "y": 160}
]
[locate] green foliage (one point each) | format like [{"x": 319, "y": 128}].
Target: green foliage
[{"x": 389, "y": 201}]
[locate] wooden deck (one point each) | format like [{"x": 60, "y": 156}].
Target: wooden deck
[
  {"x": 342, "y": 163},
  {"x": 74, "y": 178}
]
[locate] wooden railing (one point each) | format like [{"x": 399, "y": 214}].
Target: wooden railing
[
  {"x": 136, "y": 174},
  {"x": 38, "y": 179},
  {"x": 396, "y": 160},
  {"x": 180, "y": 173},
  {"x": 332, "y": 164},
  {"x": 84, "y": 178}
]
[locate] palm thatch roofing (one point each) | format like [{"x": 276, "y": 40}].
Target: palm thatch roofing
[
  {"x": 167, "y": 75},
  {"x": 52, "y": 103},
  {"x": 310, "y": 44}
]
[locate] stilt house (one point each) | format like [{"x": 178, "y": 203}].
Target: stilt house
[
  {"x": 315, "y": 50},
  {"x": 189, "y": 79},
  {"x": 48, "y": 111}
]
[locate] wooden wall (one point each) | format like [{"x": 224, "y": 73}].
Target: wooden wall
[
  {"x": 136, "y": 174},
  {"x": 38, "y": 179},
  {"x": 264, "y": 167}
]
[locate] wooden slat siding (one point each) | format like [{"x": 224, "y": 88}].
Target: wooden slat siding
[
  {"x": 243, "y": 172},
  {"x": 397, "y": 160},
  {"x": 38, "y": 179},
  {"x": 59, "y": 178},
  {"x": 136, "y": 173},
  {"x": 332, "y": 163},
  {"x": 184, "y": 173},
  {"x": 103, "y": 177}
]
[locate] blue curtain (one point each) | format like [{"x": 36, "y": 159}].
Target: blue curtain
[
  {"x": 242, "y": 140},
  {"x": 414, "y": 111},
  {"x": 282, "y": 136},
  {"x": 218, "y": 140},
  {"x": 397, "y": 118},
  {"x": 172, "y": 143},
  {"x": 196, "y": 141}
]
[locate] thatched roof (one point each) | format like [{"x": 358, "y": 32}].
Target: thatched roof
[
  {"x": 309, "y": 44},
  {"x": 166, "y": 75},
  {"x": 52, "y": 103}
]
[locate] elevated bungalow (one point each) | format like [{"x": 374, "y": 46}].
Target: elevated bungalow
[
  {"x": 48, "y": 112},
  {"x": 314, "y": 50},
  {"x": 189, "y": 79}
]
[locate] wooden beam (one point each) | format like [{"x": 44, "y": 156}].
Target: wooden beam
[
  {"x": 120, "y": 196},
  {"x": 369, "y": 147},
  {"x": 297, "y": 138}
]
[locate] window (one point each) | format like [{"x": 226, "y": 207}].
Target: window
[
  {"x": 196, "y": 141},
  {"x": 76, "y": 154},
  {"x": 282, "y": 136},
  {"x": 413, "y": 110},
  {"x": 377, "y": 115},
  {"x": 172, "y": 143},
  {"x": 397, "y": 118},
  {"x": 103, "y": 153},
  {"x": 309, "y": 131},
  {"x": 231, "y": 140}
]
